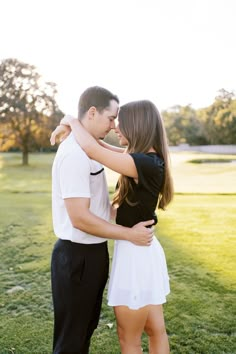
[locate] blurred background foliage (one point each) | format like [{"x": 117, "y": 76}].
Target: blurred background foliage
[{"x": 29, "y": 112}]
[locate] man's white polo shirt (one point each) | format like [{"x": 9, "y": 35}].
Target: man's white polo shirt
[{"x": 74, "y": 175}]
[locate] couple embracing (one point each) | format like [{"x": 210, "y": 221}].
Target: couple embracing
[{"x": 82, "y": 220}]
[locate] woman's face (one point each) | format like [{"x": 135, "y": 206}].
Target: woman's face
[{"x": 122, "y": 140}]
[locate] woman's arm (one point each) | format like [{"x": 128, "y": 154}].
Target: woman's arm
[
  {"x": 111, "y": 147},
  {"x": 121, "y": 163},
  {"x": 63, "y": 130}
]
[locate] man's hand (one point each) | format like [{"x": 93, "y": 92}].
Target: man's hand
[
  {"x": 60, "y": 129},
  {"x": 142, "y": 235}
]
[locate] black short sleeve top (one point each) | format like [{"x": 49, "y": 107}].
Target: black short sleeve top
[{"x": 150, "y": 168}]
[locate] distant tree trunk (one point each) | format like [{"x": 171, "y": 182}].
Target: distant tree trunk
[{"x": 25, "y": 158}]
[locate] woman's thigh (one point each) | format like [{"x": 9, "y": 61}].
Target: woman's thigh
[{"x": 130, "y": 323}]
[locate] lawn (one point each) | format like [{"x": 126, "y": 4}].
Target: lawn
[{"x": 198, "y": 235}]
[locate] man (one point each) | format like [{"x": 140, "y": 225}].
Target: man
[{"x": 81, "y": 213}]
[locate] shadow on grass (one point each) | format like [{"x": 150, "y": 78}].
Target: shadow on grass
[{"x": 200, "y": 312}]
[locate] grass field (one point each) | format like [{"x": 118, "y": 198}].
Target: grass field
[{"x": 198, "y": 235}]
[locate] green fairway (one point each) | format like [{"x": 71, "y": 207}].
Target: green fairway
[
  {"x": 198, "y": 233},
  {"x": 216, "y": 178}
]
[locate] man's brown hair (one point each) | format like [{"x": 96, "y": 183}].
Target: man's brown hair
[{"x": 97, "y": 97}]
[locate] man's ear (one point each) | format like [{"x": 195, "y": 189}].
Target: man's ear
[{"x": 91, "y": 112}]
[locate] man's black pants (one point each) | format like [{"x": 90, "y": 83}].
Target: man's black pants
[{"x": 78, "y": 273}]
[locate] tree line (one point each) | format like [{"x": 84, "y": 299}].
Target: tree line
[
  {"x": 213, "y": 125},
  {"x": 29, "y": 112}
]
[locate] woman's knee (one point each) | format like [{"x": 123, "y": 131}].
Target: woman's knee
[
  {"x": 155, "y": 331},
  {"x": 127, "y": 338}
]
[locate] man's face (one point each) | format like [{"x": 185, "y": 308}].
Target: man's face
[{"x": 105, "y": 120}]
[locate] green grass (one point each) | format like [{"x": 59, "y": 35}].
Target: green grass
[
  {"x": 198, "y": 235},
  {"x": 209, "y": 178}
]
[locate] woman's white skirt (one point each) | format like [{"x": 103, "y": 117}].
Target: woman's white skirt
[{"x": 139, "y": 275}]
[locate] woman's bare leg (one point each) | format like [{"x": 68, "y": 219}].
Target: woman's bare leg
[
  {"x": 155, "y": 329},
  {"x": 130, "y": 325}
]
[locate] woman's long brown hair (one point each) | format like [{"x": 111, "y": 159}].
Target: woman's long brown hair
[{"x": 141, "y": 124}]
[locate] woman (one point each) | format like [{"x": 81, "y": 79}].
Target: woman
[{"x": 139, "y": 280}]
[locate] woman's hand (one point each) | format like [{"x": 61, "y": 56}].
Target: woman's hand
[
  {"x": 63, "y": 130},
  {"x": 67, "y": 120}
]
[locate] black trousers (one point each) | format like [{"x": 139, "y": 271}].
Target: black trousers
[{"x": 78, "y": 274}]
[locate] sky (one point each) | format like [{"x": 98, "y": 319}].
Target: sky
[{"x": 173, "y": 52}]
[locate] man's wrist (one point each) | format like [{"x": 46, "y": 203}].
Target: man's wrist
[{"x": 128, "y": 234}]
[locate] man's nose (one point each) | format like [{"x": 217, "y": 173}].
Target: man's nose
[{"x": 112, "y": 125}]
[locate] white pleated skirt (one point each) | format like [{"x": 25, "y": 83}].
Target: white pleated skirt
[{"x": 139, "y": 275}]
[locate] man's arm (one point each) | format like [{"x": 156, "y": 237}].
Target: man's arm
[{"x": 82, "y": 218}]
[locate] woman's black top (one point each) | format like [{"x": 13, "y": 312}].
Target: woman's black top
[{"x": 150, "y": 168}]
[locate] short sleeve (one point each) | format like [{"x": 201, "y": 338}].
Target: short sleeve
[
  {"x": 74, "y": 176},
  {"x": 150, "y": 170}
]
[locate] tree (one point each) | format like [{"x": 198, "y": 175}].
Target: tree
[
  {"x": 28, "y": 108},
  {"x": 183, "y": 126},
  {"x": 219, "y": 119}
]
